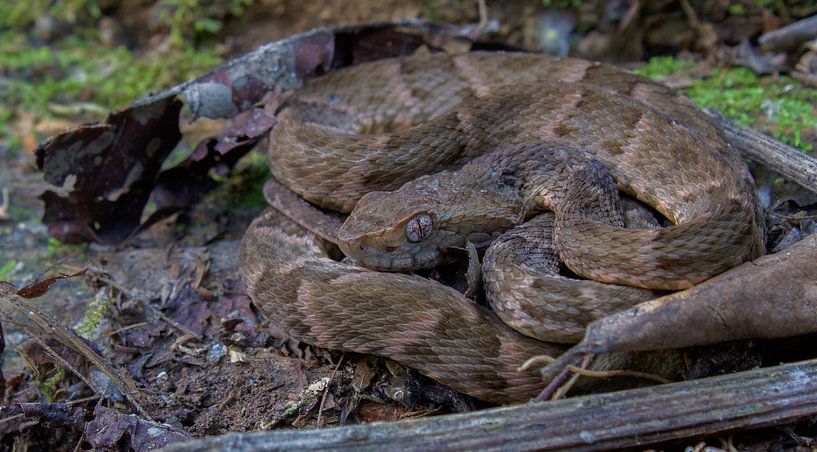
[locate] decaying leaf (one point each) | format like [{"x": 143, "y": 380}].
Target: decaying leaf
[
  {"x": 54, "y": 414},
  {"x": 770, "y": 297},
  {"x": 110, "y": 427},
  {"x": 40, "y": 288},
  {"x": 106, "y": 172}
]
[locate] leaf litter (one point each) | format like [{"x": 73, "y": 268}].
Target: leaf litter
[{"x": 186, "y": 350}]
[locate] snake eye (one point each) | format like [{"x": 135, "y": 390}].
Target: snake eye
[{"x": 419, "y": 228}]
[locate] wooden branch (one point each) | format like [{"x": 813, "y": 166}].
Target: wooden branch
[
  {"x": 620, "y": 419},
  {"x": 790, "y": 36},
  {"x": 778, "y": 157},
  {"x": 39, "y": 326}
]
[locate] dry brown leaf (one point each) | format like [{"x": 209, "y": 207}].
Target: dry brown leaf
[{"x": 771, "y": 297}]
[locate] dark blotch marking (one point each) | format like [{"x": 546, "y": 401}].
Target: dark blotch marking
[
  {"x": 564, "y": 130},
  {"x": 582, "y": 103},
  {"x": 690, "y": 197},
  {"x": 614, "y": 147}
]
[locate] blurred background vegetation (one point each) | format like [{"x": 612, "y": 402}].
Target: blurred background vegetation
[{"x": 67, "y": 62}]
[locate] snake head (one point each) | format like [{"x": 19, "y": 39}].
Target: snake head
[{"x": 397, "y": 231}]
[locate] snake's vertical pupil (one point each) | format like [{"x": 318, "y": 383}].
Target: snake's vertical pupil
[{"x": 419, "y": 228}]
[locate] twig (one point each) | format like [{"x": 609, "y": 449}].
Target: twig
[
  {"x": 632, "y": 13},
  {"x": 123, "y": 329},
  {"x": 230, "y": 397},
  {"x": 83, "y": 400},
  {"x": 617, "y": 373},
  {"x": 78, "y": 447},
  {"x": 556, "y": 381},
  {"x": 38, "y": 325},
  {"x": 692, "y": 18},
  {"x": 326, "y": 389},
  {"x": 483, "y": 13},
  {"x": 562, "y": 391},
  {"x": 11, "y": 418},
  {"x": 186, "y": 331},
  {"x": 593, "y": 373}
]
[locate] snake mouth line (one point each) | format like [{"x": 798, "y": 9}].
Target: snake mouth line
[{"x": 391, "y": 259}]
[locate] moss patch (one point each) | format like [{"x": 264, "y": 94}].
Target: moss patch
[
  {"x": 664, "y": 66},
  {"x": 782, "y": 106},
  {"x": 78, "y": 80},
  {"x": 88, "y": 327},
  {"x": 48, "y": 387},
  {"x": 7, "y": 270},
  {"x": 244, "y": 186},
  {"x": 57, "y": 249},
  {"x": 77, "y": 70}
]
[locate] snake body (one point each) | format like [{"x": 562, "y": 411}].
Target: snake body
[{"x": 519, "y": 122}]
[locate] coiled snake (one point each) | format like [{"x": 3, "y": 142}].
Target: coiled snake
[{"x": 470, "y": 146}]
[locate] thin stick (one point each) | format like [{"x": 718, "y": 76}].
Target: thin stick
[
  {"x": 562, "y": 391},
  {"x": 11, "y": 418},
  {"x": 551, "y": 388},
  {"x": 39, "y": 326},
  {"x": 617, "y": 373},
  {"x": 123, "y": 329},
  {"x": 326, "y": 389},
  {"x": 592, "y": 373}
]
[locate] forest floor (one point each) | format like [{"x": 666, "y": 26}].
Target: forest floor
[{"x": 167, "y": 304}]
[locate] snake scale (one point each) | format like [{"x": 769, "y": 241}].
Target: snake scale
[{"x": 434, "y": 150}]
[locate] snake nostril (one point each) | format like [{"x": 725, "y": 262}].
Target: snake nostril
[{"x": 391, "y": 249}]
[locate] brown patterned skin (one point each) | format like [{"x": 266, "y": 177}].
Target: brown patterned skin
[
  {"x": 501, "y": 189},
  {"x": 492, "y": 193},
  {"x": 329, "y": 147},
  {"x": 416, "y": 321},
  {"x": 382, "y": 125},
  {"x": 524, "y": 285}
]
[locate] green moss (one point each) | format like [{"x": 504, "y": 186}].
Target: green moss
[
  {"x": 94, "y": 313},
  {"x": 736, "y": 9},
  {"x": 782, "y": 106},
  {"x": 48, "y": 387},
  {"x": 75, "y": 69},
  {"x": 779, "y": 8},
  {"x": 191, "y": 20},
  {"x": 664, "y": 66},
  {"x": 7, "y": 270},
  {"x": 430, "y": 11},
  {"x": 22, "y": 14},
  {"x": 243, "y": 187},
  {"x": 47, "y": 81},
  {"x": 58, "y": 249},
  {"x": 188, "y": 21}
]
